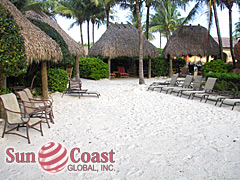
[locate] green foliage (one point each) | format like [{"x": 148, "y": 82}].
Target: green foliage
[
  {"x": 215, "y": 66},
  {"x": 159, "y": 67},
  {"x": 178, "y": 63},
  {"x": 226, "y": 81},
  {"x": 57, "y": 79},
  {"x": 4, "y": 91},
  {"x": 160, "y": 51},
  {"x": 93, "y": 68},
  {"x": 12, "y": 51},
  {"x": 68, "y": 59}
]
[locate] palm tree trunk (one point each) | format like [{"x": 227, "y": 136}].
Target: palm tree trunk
[
  {"x": 81, "y": 34},
  {"x": 160, "y": 38},
  {"x": 218, "y": 29},
  {"x": 147, "y": 19},
  {"x": 107, "y": 13},
  {"x": 93, "y": 31},
  {"x": 88, "y": 35},
  {"x": 141, "y": 75},
  {"x": 44, "y": 80},
  {"x": 231, "y": 38}
]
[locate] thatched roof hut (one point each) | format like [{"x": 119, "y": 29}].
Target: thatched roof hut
[
  {"x": 191, "y": 41},
  {"x": 121, "y": 40},
  {"x": 38, "y": 45},
  {"x": 237, "y": 51},
  {"x": 75, "y": 49}
]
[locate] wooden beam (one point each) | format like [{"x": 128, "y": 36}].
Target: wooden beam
[
  {"x": 170, "y": 67},
  {"x": 77, "y": 68},
  {"x": 44, "y": 80},
  {"x": 109, "y": 67},
  {"x": 149, "y": 67}
]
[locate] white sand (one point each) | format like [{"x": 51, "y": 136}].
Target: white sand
[{"x": 154, "y": 135}]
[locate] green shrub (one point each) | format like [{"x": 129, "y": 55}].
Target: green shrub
[
  {"x": 68, "y": 59},
  {"x": 93, "y": 68},
  {"x": 159, "y": 67},
  {"x": 57, "y": 79},
  {"x": 215, "y": 66},
  {"x": 12, "y": 51},
  {"x": 4, "y": 91},
  {"x": 226, "y": 81}
]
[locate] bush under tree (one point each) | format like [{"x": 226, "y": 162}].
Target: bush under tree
[{"x": 93, "y": 68}]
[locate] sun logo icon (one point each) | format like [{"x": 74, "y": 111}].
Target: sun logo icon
[{"x": 53, "y": 157}]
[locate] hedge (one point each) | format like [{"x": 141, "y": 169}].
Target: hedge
[
  {"x": 93, "y": 68},
  {"x": 226, "y": 81}
]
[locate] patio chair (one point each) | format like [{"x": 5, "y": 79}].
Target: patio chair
[
  {"x": 185, "y": 84},
  {"x": 207, "y": 88},
  {"x": 122, "y": 73},
  {"x": 160, "y": 85},
  {"x": 196, "y": 84},
  {"x": 75, "y": 87},
  {"x": 48, "y": 102},
  {"x": 14, "y": 117},
  {"x": 33, "y": 109}
]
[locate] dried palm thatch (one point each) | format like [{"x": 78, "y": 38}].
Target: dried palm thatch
[
  {"x": 191, "y": 41},
  {"x": 122, "y": 40},
  {"x": 38, "y": 45},
  {"x": 75, "y": 49},
  {"x": 237, "y": 51}
]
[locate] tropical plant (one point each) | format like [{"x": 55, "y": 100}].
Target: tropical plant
[
  {"x": 167, "y": 18},
  {"x": 12, "y": 52},
  {"x": 93, "y": 68}
]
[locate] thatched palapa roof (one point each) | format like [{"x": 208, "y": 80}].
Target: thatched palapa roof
[
  {"x": 74, "y": 48},
  {"x": 191, "y": 41},
  {"x": 237, "y": 51},
  {"x": 38, "y": 45},
  {"x": 122, "y": 40}
]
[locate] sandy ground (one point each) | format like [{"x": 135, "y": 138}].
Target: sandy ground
[{"x": 154, "y": 135}]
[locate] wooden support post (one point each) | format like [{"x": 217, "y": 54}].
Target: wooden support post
[
  {"x": 3, "y": 82},
  {"x": 109, "y": 67},
  {"x": 149, "y": 67},
  {"x": 44, "y": 80},
  {"x": 170, "y": 67},
  {"x": 77, "y": 68}
]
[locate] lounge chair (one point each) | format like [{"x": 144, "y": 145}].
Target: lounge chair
[
  {"x": 230, "y": 102},
  {"x": 185, "y": 84},
  {"x": 160, "y": 85},
  {"x": 165, "y": 83},
  {"x": 122, "y": 73},
  {"x": 75, "y": 87},
  {"x": 207, "y": 88},
  {"x": 33, "y": 109},
  {"x": 214, "y": 96},
  {"x": 196, "y": 84},
  {"x": 14, "y": 116}
]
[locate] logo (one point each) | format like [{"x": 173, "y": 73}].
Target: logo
[{"x": 53, "y": 157}]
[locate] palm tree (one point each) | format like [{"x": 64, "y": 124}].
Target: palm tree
[
  {"x": 167, "y": 19},
  {"x": 229, "y": 5},
  {"x": 72, "y": 9}
]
